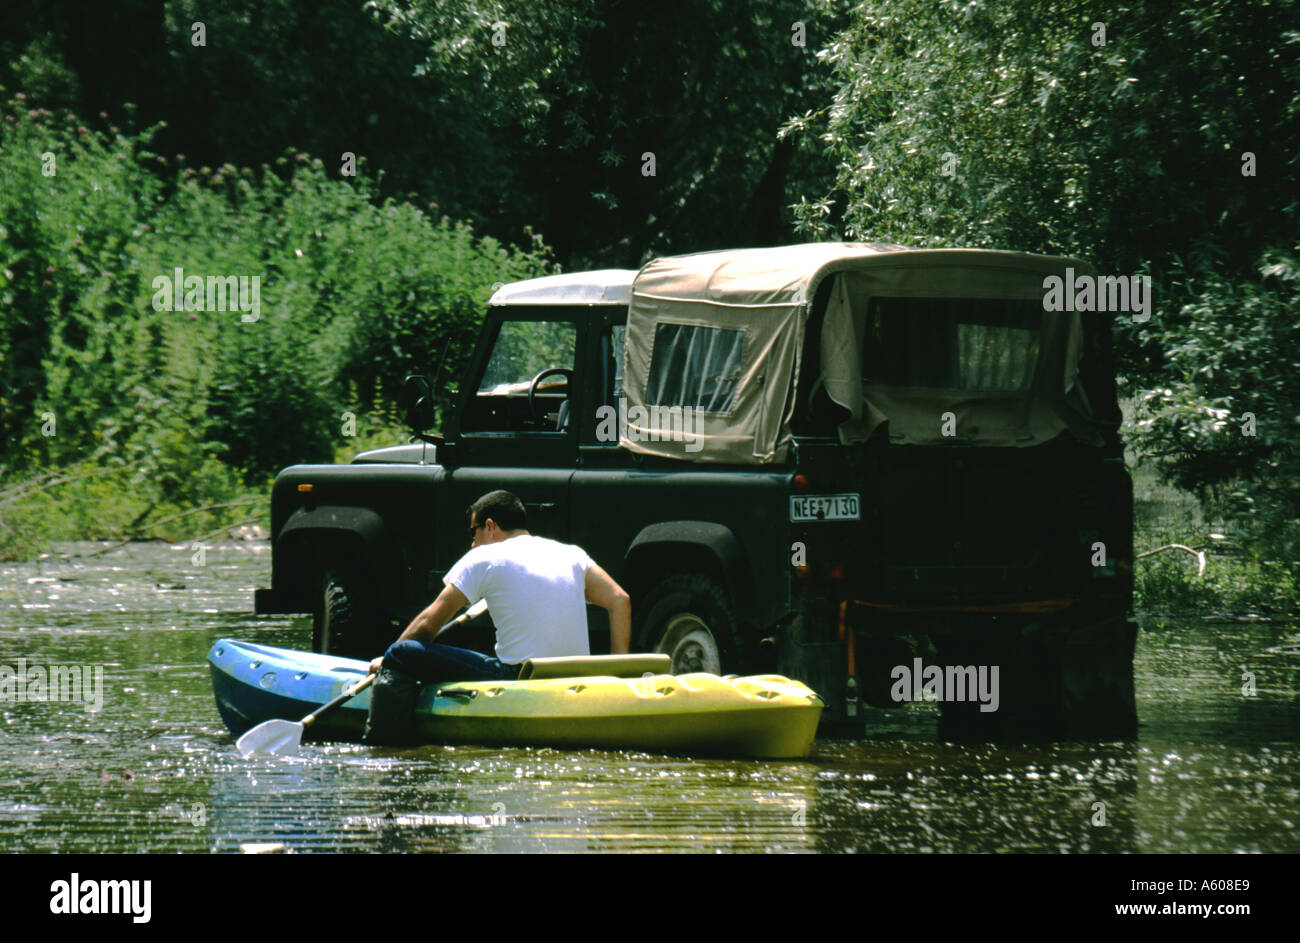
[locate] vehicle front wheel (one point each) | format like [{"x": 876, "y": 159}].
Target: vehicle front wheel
[
  {"x": 689, "y": 617},
  {"x": 341, "y": 618}
]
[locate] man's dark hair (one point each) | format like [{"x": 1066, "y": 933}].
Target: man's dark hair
[{"x": 502, "y": 507}]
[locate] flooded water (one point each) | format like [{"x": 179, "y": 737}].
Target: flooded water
[{"x": 1213, "y": 769}]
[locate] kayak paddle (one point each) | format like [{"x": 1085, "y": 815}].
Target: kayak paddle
[{"x": 284, "y": 736}]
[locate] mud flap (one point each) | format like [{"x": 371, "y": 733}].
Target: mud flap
[
  {"x": 1100, "y": 700},
  {"x": 823, "y": 666}
]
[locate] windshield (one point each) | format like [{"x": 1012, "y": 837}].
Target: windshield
[{"x": 526, "y": 348}]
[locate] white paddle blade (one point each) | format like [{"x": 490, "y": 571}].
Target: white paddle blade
[{"x": 271, "y": 736}]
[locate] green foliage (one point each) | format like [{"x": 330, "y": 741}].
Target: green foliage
[
  {"x": 1241, "y": 574},
  {"x": 1061, "y": 144},
  {"x": 71, "y": 217},
  {"x": 363, "y": 428},
  {"x": 115, "y": 493},
  {"x": 178, "y": 401},
  {"x": 1234, "y": 352},
  {"x": 273, "y": 74},
  {"x": 45, "y": 73},
  {"x": 957, "y": 122},
  {"x": 1236, "y": 582},
  {"x": 563, "y": 100},
  {"x": 545, "y": 127}
]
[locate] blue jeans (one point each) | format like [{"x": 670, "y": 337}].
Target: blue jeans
[{"x": 432, "y": 661}]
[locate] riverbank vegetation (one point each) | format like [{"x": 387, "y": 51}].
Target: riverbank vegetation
[{"x": 119, "y": 416}]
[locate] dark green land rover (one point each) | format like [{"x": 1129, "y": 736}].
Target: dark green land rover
[{"x": 887, "y": 472}]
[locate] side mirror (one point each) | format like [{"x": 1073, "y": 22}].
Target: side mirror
[{"x": 417, "y": 402}]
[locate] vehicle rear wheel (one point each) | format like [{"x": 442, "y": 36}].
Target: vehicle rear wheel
[
  {"x": 689, "y": 617},
  {"x": 1058, "y": 682},
  {"x": 340, "y": 619}
]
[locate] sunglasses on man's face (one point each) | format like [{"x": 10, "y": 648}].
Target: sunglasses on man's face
[{"x": 473, "y": 529}]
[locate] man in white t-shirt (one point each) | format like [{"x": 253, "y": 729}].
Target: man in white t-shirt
[{"x": 537, "y": 591}]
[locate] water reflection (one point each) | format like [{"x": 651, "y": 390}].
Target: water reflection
[{"x": 1213, "y": 768}]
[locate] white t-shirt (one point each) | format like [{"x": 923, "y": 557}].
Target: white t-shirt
[{"x": 536, "y": 593}]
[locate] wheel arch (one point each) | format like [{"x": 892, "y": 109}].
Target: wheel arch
[
  {"x": 312, "y": 541},
  {"x": 689, "y": 546}
]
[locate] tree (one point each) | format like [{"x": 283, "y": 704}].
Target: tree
[
  {"x": 1041, "y": 125},
  {"x": 625, "y": 130}
]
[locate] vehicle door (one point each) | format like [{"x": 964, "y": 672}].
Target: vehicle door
[{"x": 518, "y": 422}]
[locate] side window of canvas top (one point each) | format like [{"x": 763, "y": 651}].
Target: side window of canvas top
[{"x": 693, "y": 366}]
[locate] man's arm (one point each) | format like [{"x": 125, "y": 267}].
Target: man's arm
[
  {"x": 426, "y": 626},
  {"x": 604, "y": 592}
]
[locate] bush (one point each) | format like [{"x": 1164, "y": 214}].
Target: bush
[
  {"x": 1226, "y": 425},
  {"x": 353, "y": 295}
]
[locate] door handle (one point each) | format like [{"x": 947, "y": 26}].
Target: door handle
[{"x": 541, "y": 505}]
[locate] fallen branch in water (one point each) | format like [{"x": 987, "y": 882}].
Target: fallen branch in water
[
  {"x": 49, "y": 480},
  {"x": 138, "y": 533},
  {"x": 1198, "y": 554},
  {"x": 206, "y": 507},
  {"x": 229, "y": 527}
]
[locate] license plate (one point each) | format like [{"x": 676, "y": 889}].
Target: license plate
[{"x": 825, "y": 507}]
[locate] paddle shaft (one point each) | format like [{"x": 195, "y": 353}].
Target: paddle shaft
[
  {"x": 345, "y": 696},
  {"x": 365, "y": 682}
]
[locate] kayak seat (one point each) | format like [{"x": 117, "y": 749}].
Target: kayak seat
[{"x": 587, "y": 666}]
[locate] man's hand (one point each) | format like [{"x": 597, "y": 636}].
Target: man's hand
[
  {"x": 376, "y": 665},
  {"x": 604, "y": 592}
]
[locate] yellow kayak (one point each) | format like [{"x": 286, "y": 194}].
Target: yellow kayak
[{"x": 559, "y": 702}]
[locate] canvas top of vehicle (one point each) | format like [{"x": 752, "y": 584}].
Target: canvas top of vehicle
[{"x": 903, "y": 337}]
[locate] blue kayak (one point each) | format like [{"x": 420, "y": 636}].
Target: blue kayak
[{"x": 572, "y": 702}]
